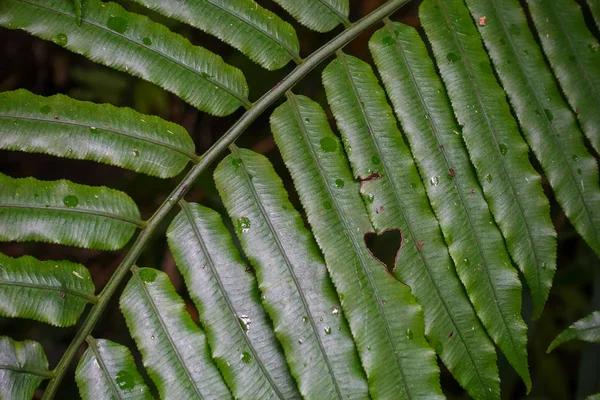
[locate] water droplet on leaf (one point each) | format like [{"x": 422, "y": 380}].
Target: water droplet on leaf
[
  {"x": 45, "y": 109},
  {"x": 452, "y": 57},
  {"x": 503, "y": 149},
  {"x": 125, "y": 380},
  {"x": 327, "y": 330},
  {"x": 328, "y": 144},
  {"x": 70, "y": 201},
  {"x": 488, "y": 178},
  {"x": 117, "y": 24},
  {"x": 339, "y": 183},
  {"x": 246, "y": 357},
  {"x": 409, "y": 334},
  {"x": 327, "y": 205},
  {"x": 147, "y": 41},
  {"x": 61, "y": 39},
  {"x": 434, "y": 181},
  {"x": 148, "y": 275},
  {"x": 242, "y": 225},
  {"x": 245, "y": 321}
]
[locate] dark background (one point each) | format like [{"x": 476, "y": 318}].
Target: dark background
[{"x": 571, "y": 371}]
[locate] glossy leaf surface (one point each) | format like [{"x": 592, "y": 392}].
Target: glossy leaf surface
[
  {"x": 586, "y": 329},
  {"x": 318, "y": 15},
  {"x": 23, "y": 366}
]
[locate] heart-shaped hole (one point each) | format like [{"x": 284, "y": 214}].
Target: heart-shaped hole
[{"x": 384, "y": 247}]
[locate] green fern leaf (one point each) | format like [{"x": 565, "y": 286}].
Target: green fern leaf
[
  {"x": 66, "y": 213},
  {"x": 386, "y": 322},
  {"x": 173, "y": 347},
  {"x": 593, "y": 397},
  {"x": 64, "y": 127},
  {"x": 258, "y": 33},
  {"x": 23, "y": 366},
  {"x": 395, "y": 198},
  {"x": 318, "y": 15},
  {"x": 134, "y": 44},
  {"x": 574, "y": 54},
  {"x": 77, "y": 6},
  {"x": 107, "y": 371},
  {"x": 586, "y": 329},
  {"x": 239, "y": 333},
  {"x": 548, "y": 125},
  {"x": 293, "y": 278},
  {"x": 55, "y": 292},
  {"x": 594, "y": 6},
  {"x": 499, "y": 154}
]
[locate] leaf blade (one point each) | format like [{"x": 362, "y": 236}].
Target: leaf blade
[
  {"x": 574, "y": 55},
  {"x": 586, "y": 329},
  {"x": 260, "y": 34},
  {"x": 243, "y": 343},
  {"x": 98, "y": 217},
  {"x": 63, "y": 127},
  {"x": 300, "y": 128},
  {"x": 55, "y": 292},
  {"x": 318, "y": 15},
  {"x": 23, "y": 366},
  {"x": 296, "y": 289},
  {"x": 396, "y": 199},
  {"x": 173, "y": 347},
  {"x": 145, "y": 49},
  {"x": 510, "y": 184},
  {"x": 107, "y": 371}
]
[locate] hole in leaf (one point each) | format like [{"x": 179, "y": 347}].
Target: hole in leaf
[{"x": 385, "y": 246}]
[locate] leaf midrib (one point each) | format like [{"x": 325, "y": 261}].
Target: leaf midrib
[
  {"x": 141, "y": 284},
  {"x": 395, "y": 191},
  {"x": 67, "y": 290},
  {"x": 137, "y": 222},
  {"x": 290, "y": 269},
  {"x": 190, "y": 218},
  {"x": 346, "y": 226},
  {"x": 456, "y": 184},
  {"x": 44, "y": 374},
  {"x": 93, "y": 346},
  {"x": 493, "y": 136},
  {"x": 242, "y": 100},
  {"x": 191, "y": 156}
]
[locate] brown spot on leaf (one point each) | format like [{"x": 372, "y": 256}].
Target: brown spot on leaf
[
  {"x": 482, "y": 21},
  {"x": 420, "y": 245}
]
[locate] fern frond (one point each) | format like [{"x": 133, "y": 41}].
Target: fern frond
[
  {"x": 293, "y": 279},
  {"x": 258, "y": 33},
  {"x": 586, "y": 329},
  {"x": 107, "y": 371},
  {"x": 134, "y": 44},
  {"x": 55, "y": 292},
  {"x": 23, "y": 366},
  {"x": 511, "y": 186},
  {"x": 225, "y": 293},
  {"x": 173, "y": 347},
  {"x": 66, "y": 213},
  {"x": 594, "y": 6},
  {"x": 395, "y": 198},
  {"x": 547, "y": 123},
  {"x": 318, "y": 15},
  {"x": 574, "y": 55},
  {"x": 386, "y": 321},
  {"x": 64, "y": 127}
]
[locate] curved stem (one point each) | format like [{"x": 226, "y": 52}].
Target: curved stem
[{"x": 221, "y": 145}]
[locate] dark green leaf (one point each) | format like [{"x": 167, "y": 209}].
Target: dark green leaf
[
  {"x": 574, "y": 54},
  {"x": 225, "y": 292},
  {"x": 23, "y": 366},
  {"x": 385, "y": 319},
  {"x": 586, "y": 329},
  {"x": 107, "y": 371},
  {"x": 66, "y": 213},
  {"x": 77, "y": 7},
  {"x": 395, "y": 199},
  {"x": 173, "y": 347},
  {"x": 134, "y": 44},
  {"x": 511, "y": 186},
  {"x": 318, "y": 15},
  {"x": 64, "y": 127},
  {"x": 295, "y": 286},
  {"x": 55, "y": 292},
  {"x": 255, "y": 31}
]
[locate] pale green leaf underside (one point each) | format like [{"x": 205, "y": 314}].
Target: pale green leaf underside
[
  {"x": 293, "y": 279},
  {"x": 174, "y": 349},
  {"x": 385, "y": 320},
  {"x": 77, "y": 7},
  {"x": 64, "y": 127},
  {"x": 511, "y": 186},
  {"x": 23, "y": 366},
  {"x": 240, "y": 335},
  {"x": 397, "y": 200},
  {"x": 574, "y": 54},
  {"x": 258, "y": 33},
  {"x": 66, "y": 213},
  {"x": 107, "y": 371},
  {"x": 586, "y": 329},
  {"x": 476, "y": 246},
  {"x": 318, "y": 15},
  {"x": 55, "y": 292},
  {"x": 133, "y": 43},
  {"x": 548, "y": 124}
]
